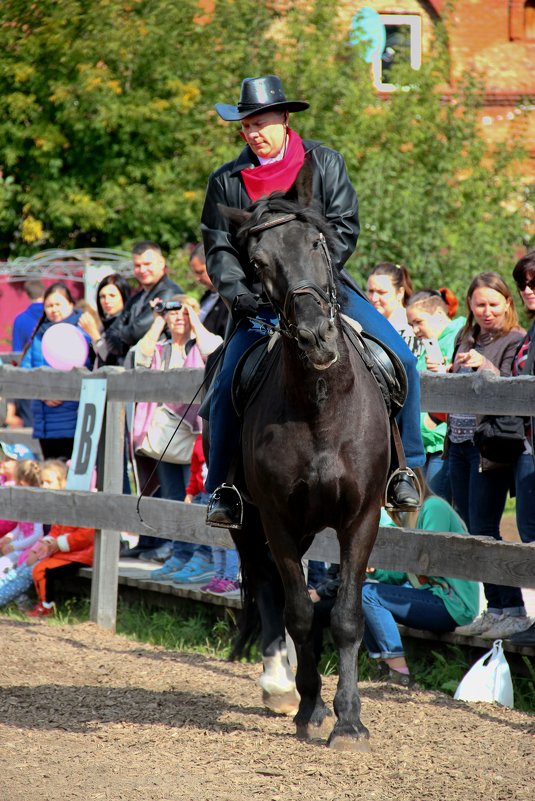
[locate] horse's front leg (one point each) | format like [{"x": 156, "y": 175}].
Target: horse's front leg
[
  {"x": 313, "y": 719},
  {"x": 347, "y": 626}
]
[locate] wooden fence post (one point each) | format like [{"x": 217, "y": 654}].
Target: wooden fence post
[{"x": 105, "y": 579}]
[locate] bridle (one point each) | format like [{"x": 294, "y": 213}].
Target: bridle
[{"x": 303, "y": 287}]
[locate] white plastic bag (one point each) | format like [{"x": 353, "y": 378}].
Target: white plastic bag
[{"x": 488, "y": 680}]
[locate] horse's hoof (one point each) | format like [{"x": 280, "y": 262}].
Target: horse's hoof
[
  {"x": 281, "y": 703},
  {"x": 312, "y": 731},
  {"x": 345, "y": 742}
]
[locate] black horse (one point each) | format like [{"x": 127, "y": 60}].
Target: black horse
[{"x": 315, "y": 454}]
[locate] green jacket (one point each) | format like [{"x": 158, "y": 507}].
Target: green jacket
[
  {"x": 433, "y": 438},
  {"x": 460, "y": 597}
]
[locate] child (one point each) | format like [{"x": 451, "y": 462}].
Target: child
[
  {"x": 19, "y": 536},
  {"x": 62, "y": 552},
  {"x": 16, "y": 546},
  {"x": 11, "y": 454}
]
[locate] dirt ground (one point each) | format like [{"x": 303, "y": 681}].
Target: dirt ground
[{"x": 87, "y": 715}]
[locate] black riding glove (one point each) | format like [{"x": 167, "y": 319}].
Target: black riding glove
[{"x": 245, "y": 305}]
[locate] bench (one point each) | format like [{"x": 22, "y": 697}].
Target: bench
[{"x": 132, "y": 575}]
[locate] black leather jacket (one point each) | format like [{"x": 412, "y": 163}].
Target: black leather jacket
[
  {"x": 136, "y": 318},
  {"x": 332, "y": 189}
]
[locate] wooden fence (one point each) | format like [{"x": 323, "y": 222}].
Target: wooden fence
[{"x": 109, "y": 511}]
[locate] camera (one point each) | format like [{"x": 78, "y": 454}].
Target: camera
[{"x": 166, "y": 306}]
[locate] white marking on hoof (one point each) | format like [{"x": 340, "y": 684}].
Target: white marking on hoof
[
  {"x": 277, "y": 677},
  {"x": 282, "y": 703}
]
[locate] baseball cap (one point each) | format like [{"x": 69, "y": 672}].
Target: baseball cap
[{"x": 17, "y": 451}]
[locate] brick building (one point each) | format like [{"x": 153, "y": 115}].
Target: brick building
[{"x": 495, "y": 38}]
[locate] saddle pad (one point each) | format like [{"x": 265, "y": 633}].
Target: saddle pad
[{"x": 384, "y": 364}]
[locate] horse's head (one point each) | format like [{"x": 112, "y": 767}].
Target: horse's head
[{"x": 288, "y": 248}]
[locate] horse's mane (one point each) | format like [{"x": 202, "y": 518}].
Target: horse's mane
[{"x": 278, "y": 203}]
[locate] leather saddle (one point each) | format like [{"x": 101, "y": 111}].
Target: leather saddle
[{"x": 386, "y": 367}]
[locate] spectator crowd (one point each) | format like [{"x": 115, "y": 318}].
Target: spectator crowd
[{"x": 160, "y": 327}]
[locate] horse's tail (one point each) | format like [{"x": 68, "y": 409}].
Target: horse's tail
[{"x": 262, "y": 590}]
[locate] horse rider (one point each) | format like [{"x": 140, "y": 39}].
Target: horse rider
[{"x": 273, "y": 155}]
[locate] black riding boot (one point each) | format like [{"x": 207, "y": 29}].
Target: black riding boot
[
  {"x": 403, "y": 491},
  {"x": 225, "y": 507}
]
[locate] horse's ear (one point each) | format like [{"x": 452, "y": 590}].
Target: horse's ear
[
  {"x": 236, "y": 216},
  {"x": 302, "y": 186}
]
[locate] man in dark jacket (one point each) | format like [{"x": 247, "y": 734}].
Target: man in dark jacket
[
  {"x": 137, "y": 316},
  {"x": 270, "y": 162}
]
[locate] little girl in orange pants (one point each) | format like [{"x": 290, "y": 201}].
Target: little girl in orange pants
[{"x": 64, "y": 550}]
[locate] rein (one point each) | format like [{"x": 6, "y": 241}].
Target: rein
[{"x": 302, "y": 287}]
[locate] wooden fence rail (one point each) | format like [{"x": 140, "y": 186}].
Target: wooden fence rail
[
  {"x": 453, "y": 555},
  {"x": 481, "y": 393}
]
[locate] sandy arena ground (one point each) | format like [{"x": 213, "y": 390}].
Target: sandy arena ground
[{"x": 87, "y": 715}]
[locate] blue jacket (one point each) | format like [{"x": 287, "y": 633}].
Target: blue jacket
[
  {"x": 23, "y": 325},
  {"x": 51, "y": 422}
]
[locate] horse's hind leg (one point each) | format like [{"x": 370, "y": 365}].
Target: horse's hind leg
[
  {"x": 349, "y": 733},
  {"x": 277, "y": 680},
  {"x": 264, "y": 596},
  {"x": 313, "y": 719}
]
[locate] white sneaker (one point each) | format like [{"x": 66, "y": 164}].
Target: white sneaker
[
  {"x": 506, "y": 626},
  {"x": 479, "y": 625}
]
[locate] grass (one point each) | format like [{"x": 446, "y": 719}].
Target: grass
[
  {"x": 441, "y": 669},
  {"x": 201, "y": 628}
]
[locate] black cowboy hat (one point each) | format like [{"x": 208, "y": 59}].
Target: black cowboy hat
[{"x": 259, "y": 94}]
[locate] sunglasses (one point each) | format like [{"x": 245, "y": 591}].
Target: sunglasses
[{"x": 525, "y": 284}]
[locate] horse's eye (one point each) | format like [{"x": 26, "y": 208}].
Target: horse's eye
[
  {"x": 257, "y": 265},
  {"x": 316, "y": 244}
]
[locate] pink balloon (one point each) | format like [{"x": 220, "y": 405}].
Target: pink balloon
[{"x": 64, "y": 346}]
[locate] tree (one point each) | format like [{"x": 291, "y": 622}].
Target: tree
[{"x": 109, "y": 133}]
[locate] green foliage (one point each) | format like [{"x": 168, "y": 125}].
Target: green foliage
[{"x": 109, "y": 134}]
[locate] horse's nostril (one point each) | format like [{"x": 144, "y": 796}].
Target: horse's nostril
[{"x": 326, "y": 330}]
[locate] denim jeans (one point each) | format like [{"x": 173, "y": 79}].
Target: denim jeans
[
  {"x": 15, "y": 583},
  {"x": 480, "y": 498},
  {"x": 204, "y": 551},
  {"x": 226, "y": 562},
  {"x": 525, "y": 497},
  {"x": 385, "y": 605},
  {"x": 174, "y": 479},
  {"x": 225, "y": 424},
  {"x": 437, "y": 475},
  {"x": 317, "y": 572}
]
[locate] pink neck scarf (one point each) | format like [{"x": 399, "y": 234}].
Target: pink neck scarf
[{"x": 277, "y": 176}]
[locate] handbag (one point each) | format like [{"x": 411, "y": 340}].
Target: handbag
[
  {"x": 489, "y": 679},
  {"x": 500, "y": 438},
  {"x": 164, "y": 434}
]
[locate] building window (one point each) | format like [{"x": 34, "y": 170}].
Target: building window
[
  {"x": 522, "y": 20},
  {"x": 403, "y": 46},
  {"x": 529, "y": 19}
]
